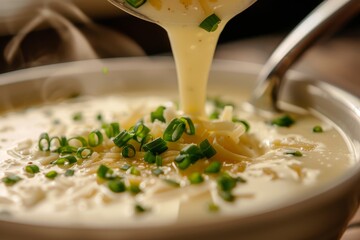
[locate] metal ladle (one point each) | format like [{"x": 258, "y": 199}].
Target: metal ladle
[{"x": 326, "y": 18}]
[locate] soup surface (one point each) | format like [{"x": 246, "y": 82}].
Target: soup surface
[{"x": 81, "y": 172}]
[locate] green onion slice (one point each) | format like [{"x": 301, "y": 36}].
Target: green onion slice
[
  {"x": 67, "y": 160},
  {"x": 158, "y": 114},
  {"x": 317, "y": 129},
  {"x": 214, "y": 167},
  {"x": 156, "y": 146},
  {"x": 183, "y": 161},
  {"x": 295, "y": 153},
  {"x": 11, "y": 180},
  {"x": 105, "y": 172},
  {"x": 174, "y": 130},
  {"x": 32, "y": 169},
  {"x": 123, "y": 138},
  {"x": 136, "y": 3},
  {"x": 95, "y": 138},
  {"x": 117, "y": 186},
  {"x": 135, "y": 171},
  {"x": 78, "y": 139},
  {"x": 158, "y": 160},
  {"x": 284, "y": 121},
  {"x": 128, "y": 151},
  {"x": 210, "y": 23},
  {"x": 112, "y": 129},
  {"x": 44, "y": 142},
  {"x": 51, "y": 174},
  {"x": 141, "y": 131},
  {"x": 207, "y": 150},
  {"x": 196, "y": 178},
  {"x": 149, "y": 157},
  {"x": 243, "y": 122},
  {"x": 69, "y": 173},
  {"x": 190, "y": 125},
  {"x": 77, "y": 116},
  {"x": 84, "y": 152}
]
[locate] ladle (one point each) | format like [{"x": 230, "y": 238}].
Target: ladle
[{"x": 327, "y": 17}]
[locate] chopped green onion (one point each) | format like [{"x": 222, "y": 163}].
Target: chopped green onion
[
  {"x": 135, "y": 171},
  {"x": 158, "y": 160},
  {"x": 122, "y": 138},
  {"x": 140, "y": 209},
  {"x": 157, "y": 171},
  {"x": 294, "y": 153},
  {"x": 172, "y": 182},
  {"x": 174, "y": 130},
  {"x": 66, "y": 150},
  {"x": 77, "y": 116},
  {"x": 284, "y": 121},
  {"x": 213, "y": 207},
  {"x": 220, "y": 104},
  {"x": 69, "y": 173},
  {"x": 207, "y": 150},
  {"x": 191, "y": 152},
  {"x": 125, "y": 167},
  {"x": 117, "y": 186},
  {"x": 149, "y": 157},
  {"x": 44, "y": 142},
  {"x": 214, "y": 167},
  {"x": 196, "y": 178},
  {"x": 11, "y": 180},
  {"x": 136, "y": 3},
  {"x": 60, "y": 145},
  {"x": 317, "y": 129},
  {"x": 95, "y": 138},
  {"x": 210, "y": 23},
  {"x": 190, "y": 125},
  {"x": 32, "y": 169},
  {"x": 112, "y": 129},
  {"x": 99, "y": 117},
  {"x": 105, "y": 172},
  {"x": 84, "y": 152},
  {"x": 141, "y": 131},
  {"x": 51, "y": 174},
  {"x": 184, "y": 163},
  {"x": 214, "y": 115},
  {"x": 158, "y": 114},
  {"x": 156, "y": 146},
  {"x": 128, "y": 151},
  {"x": 134, "y": 188},
  {"x": 243, "y": 122},
  {"x": 67, "y": 160},
  {"x": 226, "y": 184},
  {"x": 79, "y": 139}
]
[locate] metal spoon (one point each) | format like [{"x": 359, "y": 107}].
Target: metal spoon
[
  {"x": 326, "y": 18},
  {"x": 130, "y": 10}
]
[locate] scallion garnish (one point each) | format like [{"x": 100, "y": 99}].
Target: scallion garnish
[
  {"x": 69, "y": 173},
  {"x": 84, "y": 152},
  {"x": 128, "y": 151},
  {"x": 99, "y": 117},
  {"x": 122, "y": 138},
  {"x": 66, "y": 149},
  {"x": 51, "y": 175},
  {"x": 135, "y": 171},
  {"x": 196, "y": 178},
  {"x": 140, "y": 209},
  {"x": 95, "y": 138},
  {"x": 149, "y": 157},
  {"x": 112, "y": 129},
  {"x": 105, "y": 172},
  {"x": 213, "y": 207},
  {"x": 207, "y": 150},
  {"x": 44, "y": 142},
  {"x": 210, "y": 23},
  {"x": 183, "y": 161},
  {"x": 140, "y": 131},
  {"x": 158, "y": 114},
  {"x": 284, "y": 121},
  {"x": 60, "y": 145},
  {"x": 156, "y": 146},
  {"x": 136, "y": 3},
  {"x": 11, "y": 180},
  {"x": 172, "y": 182},
  {"x": 317, "y": 129},
  {"x": 79, "y": 139},
  {"x": 117, "y": 186},
  {"x": 32, "y": 169},
  {"x": 77, "y": 116},
  {"x": 67, "y": 160},
  {"x": 243, "y": 122},
  {"x": 214, "y": 115},
  {"x": 189, "y": 124},
  {"x": 174, "y": 130},
  {"x": 214, "y": 167},
  {"x": 226, "y": 184},
  {"x": 157, "y": 171},
  {"x": 295, "y": 153},
  {"x": 158, "y": 160},
  {"x": 134, "y": 188}
]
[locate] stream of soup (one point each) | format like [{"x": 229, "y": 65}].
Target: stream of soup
[{"x": 130, "y": 160}]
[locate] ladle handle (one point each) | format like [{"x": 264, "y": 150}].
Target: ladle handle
[{"x": 326, "y": 18}]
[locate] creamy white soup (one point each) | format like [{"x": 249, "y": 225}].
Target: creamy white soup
[{"x": 130, "y": 160}]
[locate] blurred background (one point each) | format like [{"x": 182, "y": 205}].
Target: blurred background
[{"x": 41, "y": 32}]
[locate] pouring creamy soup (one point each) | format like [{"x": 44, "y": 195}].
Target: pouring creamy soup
[{"x": 130, "y": 160}]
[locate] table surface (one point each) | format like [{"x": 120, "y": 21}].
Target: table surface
[{"x": 336, "y": 61}]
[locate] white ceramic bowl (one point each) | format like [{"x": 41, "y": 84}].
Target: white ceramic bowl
[{"x": 320, "y": 215}]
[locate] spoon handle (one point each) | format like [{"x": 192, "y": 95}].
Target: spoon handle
[{"x": 326, "y": 18}]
